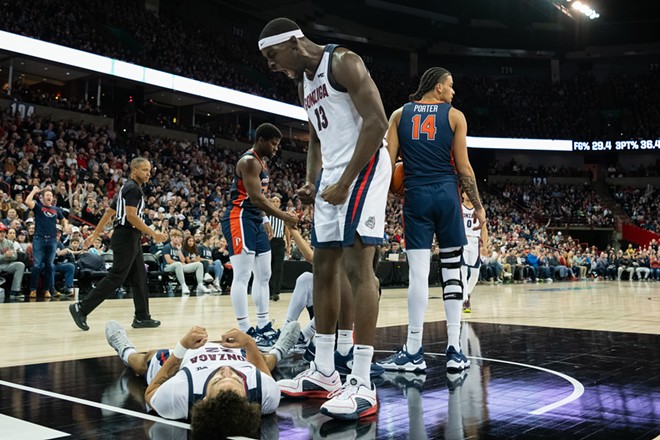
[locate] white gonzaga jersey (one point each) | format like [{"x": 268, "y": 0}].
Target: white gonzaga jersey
[
  {"x": 331, "y": 111},
  {"x": 175, "y": 397},
  {"x": 472, "y": 236}
]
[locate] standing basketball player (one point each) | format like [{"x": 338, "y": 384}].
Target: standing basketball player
[
  {"x": 472, "y": 251},
  {"x": 127, "y": 258},
  {"x": 243, "y": 227},
  {"x": 347, "y": 180},
  {"x": 432, "y": 137}
]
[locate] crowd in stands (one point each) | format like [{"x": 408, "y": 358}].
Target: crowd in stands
[
  {"x": 189, "y": 191},
  {"x": 560, "y": 204},
  {"x": 513, "y": 168},
  {"x": 579, "y": 108},
  {"x": 35, "y": 95},
  {"x": 641, "y": 204}
]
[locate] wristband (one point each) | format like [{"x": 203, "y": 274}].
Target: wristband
[
  {"x": 179, "y": 351},
  {"x": 265, "y": 220}
]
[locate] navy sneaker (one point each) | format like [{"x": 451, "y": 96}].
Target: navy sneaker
[
  {"x": 344, "y": 365},
  {"x": 404, "y": 361},
  {"x": 310, "y": 352},
  {"x": 266, "y": 337},
  {"x": 301, "y": 344},
  {"x": 456, "y": 360}
]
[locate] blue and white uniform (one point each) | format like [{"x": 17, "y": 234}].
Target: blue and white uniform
[
  {"x": 337, "y": 124},
  {"x": 174, "y": 398}
]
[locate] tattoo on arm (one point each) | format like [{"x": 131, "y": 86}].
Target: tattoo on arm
[{"x": 469, "y": 185}]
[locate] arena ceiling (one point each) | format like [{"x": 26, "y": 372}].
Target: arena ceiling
[{"x": 422, "y": 25}]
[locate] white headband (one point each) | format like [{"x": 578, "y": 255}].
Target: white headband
[{"x": 279, "y": 38}]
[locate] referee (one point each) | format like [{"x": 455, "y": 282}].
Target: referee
[
  {"x": 279, "y": 245},
  {"x": 128, "y": 261}
]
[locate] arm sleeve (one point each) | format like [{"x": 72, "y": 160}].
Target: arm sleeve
[
  {"x": 171, "y": 399},
  {"x": 270, "y": 394}
]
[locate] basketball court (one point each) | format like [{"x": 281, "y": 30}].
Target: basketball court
[{"x": 564, "y": 360}]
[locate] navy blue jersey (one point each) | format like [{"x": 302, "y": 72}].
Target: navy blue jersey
[
  {"x": 240, "y": 205},
  {"x": 426, "y": 143}
]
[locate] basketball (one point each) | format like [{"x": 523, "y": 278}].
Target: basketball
[{"x": 396, "y": 185}]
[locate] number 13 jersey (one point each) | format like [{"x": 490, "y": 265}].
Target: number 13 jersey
[{"x": 332, "y": 113}]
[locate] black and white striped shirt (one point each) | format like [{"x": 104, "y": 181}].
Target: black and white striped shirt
[
  {"x": 130, "y": 194},
  {"x": 278, "y": 226}
]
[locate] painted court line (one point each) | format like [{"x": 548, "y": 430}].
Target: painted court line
[
  {"x": 578, "y": 388},
  {"x": 17, "y": 429},
  {"x": 103, "y": 406}
]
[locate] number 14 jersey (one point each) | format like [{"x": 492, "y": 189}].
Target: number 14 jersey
[
  {"x": 332, "y": 113},
  {"x": 426, "y": 143}
]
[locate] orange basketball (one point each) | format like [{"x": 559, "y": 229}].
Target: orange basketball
[{"x": 396, "y": 185}]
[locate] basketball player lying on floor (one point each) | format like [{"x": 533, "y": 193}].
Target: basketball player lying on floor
[{"x": 222, "y": 387}]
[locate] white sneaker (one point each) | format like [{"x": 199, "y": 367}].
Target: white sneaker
[
  {"x": 117, "y": 338},
  {"x": 185, "y": 291},
  {"x": 208, "y": 278},
  {"x": 353, "y": 401},
  {"x": 288, "y": 337},
  {"x": 217, "y": 288},
  {"x": 311, "y": 384},
  {"x": 201, "y": 288}
]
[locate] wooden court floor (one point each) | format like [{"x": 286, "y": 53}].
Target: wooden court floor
[{"x": 570, "y": 360}]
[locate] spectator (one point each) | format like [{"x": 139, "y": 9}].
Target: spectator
[
  {"x": 44, "y": 244},
  {"x": 65, "y": 264},
  {"x": 175, "y": 261},
  {"x": 9, "y": 263}
]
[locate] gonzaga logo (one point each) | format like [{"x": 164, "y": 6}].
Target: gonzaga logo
[
  {"x": 49, "y": 212},
  {"x": 371, "y": 222}
]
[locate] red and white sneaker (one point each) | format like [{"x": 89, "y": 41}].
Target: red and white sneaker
[
  {"x": 310, "y": 384},
  {"x": 353, "y": 401}
]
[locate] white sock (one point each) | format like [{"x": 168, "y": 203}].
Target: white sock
[
  {"x": 419, "y": 263},
  {"x": 299, "y": 297},
  {"x": 325, "y": 353},
  {"x": 453, "y": 309},
  {"x": 243, "y": 323},
  {"x": 242, "y": 264},
  {"x": 344, "y": 342},
  {"x": 414, "y": 341},
  {"x": 362, "y": 356},
  {"x": 277, "y": 353},
  {"x": 260, "y": 289},
  {"x": 126, "y": 354}
]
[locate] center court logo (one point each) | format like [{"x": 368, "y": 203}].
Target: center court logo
[{"x": 371, "y": 222}]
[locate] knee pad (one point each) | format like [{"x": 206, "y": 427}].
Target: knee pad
[{"x": 450, "y": 273}]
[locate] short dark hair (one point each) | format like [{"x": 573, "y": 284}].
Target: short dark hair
[
  {"x": 267, "y": 131},
  {"x": 225, "y": 415},
  {"x": 278, "y": 26}
]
